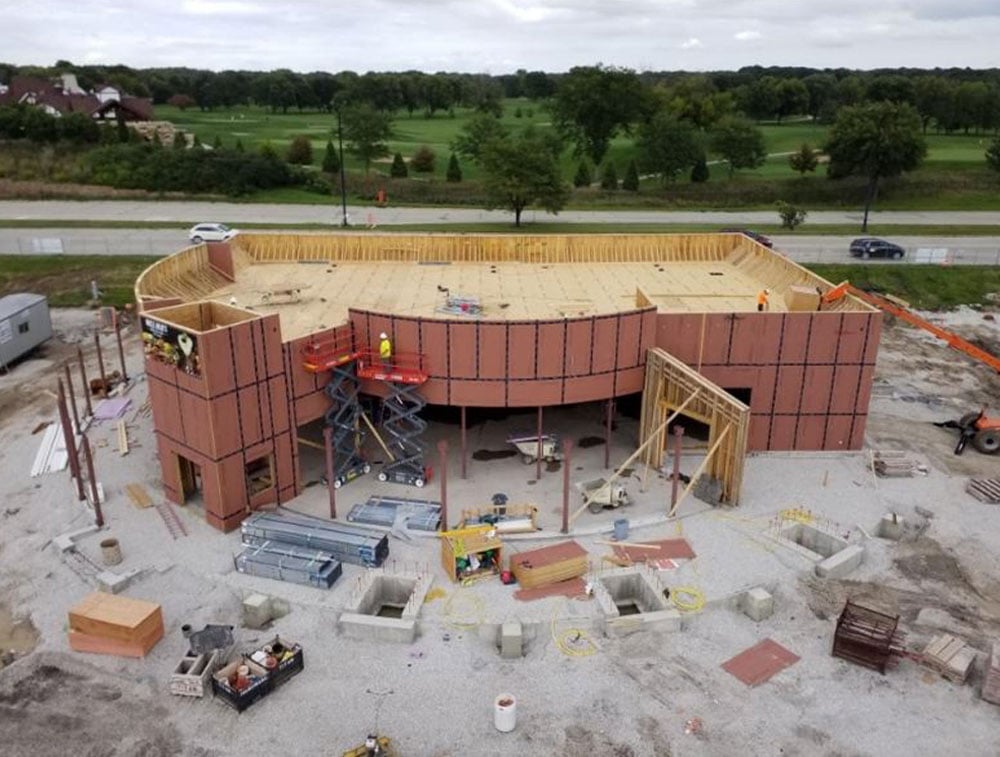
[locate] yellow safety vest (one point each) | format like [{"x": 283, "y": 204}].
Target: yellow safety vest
[{"x": 385, "y": 349}]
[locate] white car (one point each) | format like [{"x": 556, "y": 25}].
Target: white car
[{"x": 210, "y": 232}]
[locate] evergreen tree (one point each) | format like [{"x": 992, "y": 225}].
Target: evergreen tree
[
  {"x": 804, "y": 160},
  {"x": 454, "y": 173},
  {"x": 583, "y": 175},
  {"x": 631, "y": 181},
  {"x": 700, "y": 173},
  {"x": 993, "y": 154},
  {"x": 609, "y": 177},
  {"x": 217, "y": 143},
  {"x": 398, "y": 169},
  {"x": 239, "y": 145},
  {"x": 300, "y": 151},
  {"x": 196, "y": 142},
  {"x": 180, "y": 140},
  {"x": 331, "y": 160}
]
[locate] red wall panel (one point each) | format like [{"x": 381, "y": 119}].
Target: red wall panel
[
  {"x": 462, "y": 348},
  {"x": 628, "y": 340},
  {"x": 551, "y": 349},
  {"x": 605, "y": 337},
  {"x": 789, "y": 389},
  {"x": 434, "y": 338},
  {"x": 852, "y": 338},
  {"x": 783, "y": 432},
  {"x": 845, "y": 389},
  {"x": 578, "y": 342},
  {"x": 493, "y": 351},
  {"x": 816, "y": 394},
  {"x": 249, "y": 416},
  {"x": 795, "y": 337},
  {"x": 478, "y": 393},
  {"x": 824, "y": 337},
  {"x": 838, "y": 432},
  {"x": 810, "y": 433},
  {"x": 532, "y": 393},
  {"x": 521, "y": 356},
  {"x": 589, "y": 388},
  {"x": 225, "y": 431}
]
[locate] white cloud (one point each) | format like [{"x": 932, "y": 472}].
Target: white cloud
[
  {"x": 690, "y": 43},
  {"x": 747, "y": 35}
]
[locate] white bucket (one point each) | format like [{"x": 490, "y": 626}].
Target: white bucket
[{"x": 505, "y": 713}]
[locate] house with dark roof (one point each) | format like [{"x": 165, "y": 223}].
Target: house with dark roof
[{"x": 62, "y": 96}]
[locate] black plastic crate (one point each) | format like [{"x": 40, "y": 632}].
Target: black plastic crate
[
  {"x": 240, "y": 700},
  {"x": 289, "y": 666}
]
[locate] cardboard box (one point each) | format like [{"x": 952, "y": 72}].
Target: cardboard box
[{"x": 799, "y": 299}]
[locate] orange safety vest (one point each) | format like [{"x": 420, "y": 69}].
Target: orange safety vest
[{"x": 761, "y": 297}]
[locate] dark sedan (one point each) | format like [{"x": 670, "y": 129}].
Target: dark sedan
[
  {"x": 754, "y": 235},
  {"x": 871, "y": 247}
]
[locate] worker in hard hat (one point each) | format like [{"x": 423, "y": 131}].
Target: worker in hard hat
[
  {"x": 762, "y": 300},
  {"x": 384, "y": 347}
]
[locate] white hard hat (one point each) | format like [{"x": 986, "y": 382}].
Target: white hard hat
[
  {"x": 767, "y": 291},
  {"x": 383, "y": 335}
]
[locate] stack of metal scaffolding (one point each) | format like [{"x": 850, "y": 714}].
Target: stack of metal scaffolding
[
  {"x": 342, "y": 541},
  {"x": 417, "y": 514},
  {"x": 284, "y": 562}
]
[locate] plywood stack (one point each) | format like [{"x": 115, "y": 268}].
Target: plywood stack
[
  {"x": 949, "y": 656},
  {"x": 549, "y": 565},
  {"x": 991, "y": 681},
  {"x": 116, "y": 625},
  {"x": 985, "y": 490},
  {"x": 895, "y": 464}
]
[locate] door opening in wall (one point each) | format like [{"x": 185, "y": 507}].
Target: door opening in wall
[
  {"x": 259, "y": 474},
  {"x": 190, "y": 475}
]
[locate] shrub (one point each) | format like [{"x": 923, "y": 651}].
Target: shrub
[
  {"x": 699, "y": 172},
  {"x": 331, "y": 159},
  {"x": 423, "y": 160},
  {"x": 631, "y": 181},
  {"x": 584, "y": 176},
  {"x": 609, "y": 177},
  {"x": 454, "y": 173},
  {"x": 791, "y": 216},
  {"x": 300, "y": 151},
  {"x": 398, "y": 168}
]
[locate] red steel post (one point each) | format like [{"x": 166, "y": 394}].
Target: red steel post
[
  {"x": 89, "y": 457},
  {"x": 607, "y": 433},
  {"x": 443, "y": 464},
  {"x": 567, "y": 453},
  {"x": 72, "y": 395},
  {"x": 538, "y": 460},
  {"x": 676, "y": 475},
  {"x": 328, "y": 447},
  {"x": 121, "y": 349},
  {"x": 70, "y": 441},
  {"x": 464, "y": 448},
  {"x": 83, "y": 378},
  {"x": 100, "y": 365}
]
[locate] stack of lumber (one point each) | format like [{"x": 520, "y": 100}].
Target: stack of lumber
[
  {"x": 894, "y": 464},
  {"x": 111, "y": 624},
  {"x": 985, "y": 490},
  {"x": 991, "y": 681},
  {"x": 549, "y": 565},
  {"x": 949, "y": 656},
  {"x": 651, "y": 552}
]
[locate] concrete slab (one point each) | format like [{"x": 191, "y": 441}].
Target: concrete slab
[{"x": 377, "y": 628}]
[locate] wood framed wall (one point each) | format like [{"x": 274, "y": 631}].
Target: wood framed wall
[{"x": 670, "y": 385}]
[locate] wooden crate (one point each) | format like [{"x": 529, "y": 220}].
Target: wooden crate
[
  {"x": 114, "y": 617},
  {"x": 474, "y": 542},
  {"x": 94, "y": 644},
  {"x": 949, "y": 656},
  {"x": 801, "y": 299},
  {"x": 991, "y": 680},
  {"x": 549, "y": 565}
]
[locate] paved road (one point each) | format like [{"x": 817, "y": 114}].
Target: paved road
[
  {"x": 803, "y": 249},
  {"x": 193, "y": 212}
]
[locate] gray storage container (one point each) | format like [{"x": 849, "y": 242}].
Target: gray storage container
[{"x": 24, "y": 324}]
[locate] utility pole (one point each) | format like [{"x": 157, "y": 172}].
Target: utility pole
[{"x": 343, "y": 175}]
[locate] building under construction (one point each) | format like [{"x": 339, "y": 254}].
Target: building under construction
[{"x": 250, "y": 340}]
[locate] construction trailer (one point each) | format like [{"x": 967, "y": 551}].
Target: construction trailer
[
  {"x": 561, "y": 320},
  {"x": 25, "y": 323}
]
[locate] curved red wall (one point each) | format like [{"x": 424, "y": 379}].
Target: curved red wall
[{"x": 520, "y": 363}]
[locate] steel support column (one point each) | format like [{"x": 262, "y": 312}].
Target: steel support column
[
  {"x": 538, "y": 460},
  {"x": 72, "y": 396},
  {"x": 464, "y": 448},
  {"x": 328, "y": 449},
  {"x": 567, "y": 458},
  {"x": 121, "y": 349},
  {"x": 607, "y": 433},
  {"x": 443, "y": 465},
  {"x": 89, "y": 457},
  {"x": 676, "y": 475},
  {"x": 100, "y": 364},
  {"x": 83, "y": 378},
  {"x": 69, "y": 440}
]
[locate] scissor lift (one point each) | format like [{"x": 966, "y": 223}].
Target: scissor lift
[
  {"x": 338, "y": 356},
  {"x": 402, "y": 375}
]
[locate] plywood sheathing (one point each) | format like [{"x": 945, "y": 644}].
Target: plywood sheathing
[{"x": 669, "y": 384}]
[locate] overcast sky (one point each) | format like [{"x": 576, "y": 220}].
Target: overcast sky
[{"x": 501, "y": 36}]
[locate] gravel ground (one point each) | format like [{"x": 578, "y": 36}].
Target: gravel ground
[{"x": 632, "y": 696}]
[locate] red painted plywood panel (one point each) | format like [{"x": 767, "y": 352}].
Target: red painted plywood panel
[
  {"x": 196, "y": 415},
  {"x": 163, "y": 404},
  {"x": 865, "y": 392},
  {"x": 462, "y": 347},
  {"x": 434, "y": 338},
  {"x": 521, "y": 355},
  {"x": 578, "y": 334},
  {"x": 216, "y": 364},
  {"x": 278, "y": 396},
  {"x": 630, "y": 381},
  {"x": 852, "y": 338},
  {"x": 760, "y": 427},
  {"x": 225, "y": 426},
  {"x": 712, "y": 343},
  {"x": 271, "y": 327},
  {"x": 170, "y": 475},
  {"x": 192, "y": 384},
  {"x": 250, "y": 415},
  {"x": 824, "y": 338},
  {"x": 243, "y": 354},
  {"x": 605, "y": 338},
  {"x": 783, "y": 432},
  {"x": 793, "y": 341},
  {"x": 838, "y": 433},
  {"x": 158, "y": 370},
  {"x": 533, "y": 393},
  {"x": 763, "y": 389},
  {"x": 589, "y": 388},
  {"x": 284, "y": 460},
  {"x": 260, "y": 359},
  {"x": 765, "y": 340},
  {"x": 406, "y": 333},
  {"x": 747, "y": 328},
  {"x": 628, "y": 340},
  {"x": 845, "y": 389},
  {"x": 789, "y": 388},
  {"x": 310, "y": 407},
  {"x": 674, "y": 334},
  {"x": 478, "y": 393},
  {"x": 493, "y": 351},
  {"x": 232, "y": 479},
  {"x": 551, "y": 349},
  {"x": 435, "y": 392},
  {"x": 810, "y": 433},
  {"x": 875, "y": 322},
  {"x": 858, "y": 432},
  {"x": 816, "y": 397}
]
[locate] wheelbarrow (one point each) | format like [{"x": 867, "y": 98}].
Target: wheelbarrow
[
  {"x": 527, "y": 445},
  {"x": 601, "y": 494}
]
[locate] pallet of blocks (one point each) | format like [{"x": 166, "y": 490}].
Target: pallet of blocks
[
  {"x": 895, "y": 464},
  {"x": 549, "y": 565},
  {"x": 991, "y": 680},
  {"x": 116, "y": 625},
  {"x": 949, "y": 656},
  {"x": 985, "y": 490}
]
